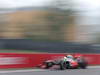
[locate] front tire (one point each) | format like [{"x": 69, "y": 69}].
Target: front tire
[
  {"x": 48, "y": 65},
  {"x": 62, "y": 65}
]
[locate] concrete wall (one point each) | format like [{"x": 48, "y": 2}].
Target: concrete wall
[{"x": 55, "y": 47}]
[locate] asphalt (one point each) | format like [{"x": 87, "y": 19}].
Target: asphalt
[{"x": 90, "y": 71}]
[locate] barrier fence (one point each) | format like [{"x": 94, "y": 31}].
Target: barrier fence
[{"x": 19, "y": 60}]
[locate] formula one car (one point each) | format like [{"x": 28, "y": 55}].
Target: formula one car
[
  {"x": 82, "y": 62},
  {"x": 78, "y": 62}
]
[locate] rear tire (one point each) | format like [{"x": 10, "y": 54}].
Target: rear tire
[{"x": 83, "y": 64}]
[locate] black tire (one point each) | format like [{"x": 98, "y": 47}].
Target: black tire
[
  {"x": 83, "y": 64},
  {"x": 48, "y": 65},
  {"x": 62, "y": 65},
  {"x": 68, "y": 65}
]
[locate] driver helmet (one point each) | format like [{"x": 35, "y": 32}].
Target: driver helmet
[{"x": 69, "y": 56}]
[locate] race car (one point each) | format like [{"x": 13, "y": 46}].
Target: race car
[
  {"x": 77, "y": 62},
  {"x": 81, "y": 60}
]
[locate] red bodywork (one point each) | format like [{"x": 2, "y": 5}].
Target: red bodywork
[{"x": 74, "y": 64}]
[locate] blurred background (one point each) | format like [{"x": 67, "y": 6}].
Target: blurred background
[{"x": 50, "y": 25}]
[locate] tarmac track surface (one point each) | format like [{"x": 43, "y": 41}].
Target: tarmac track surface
[{"x": 89, "y": 71}]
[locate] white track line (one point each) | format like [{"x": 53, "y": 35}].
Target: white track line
[
  {"x": 93, "y": 67},
  {"x": 35, "y": 70},
  {"x": 18, "y": 71}
]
